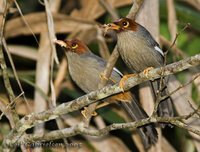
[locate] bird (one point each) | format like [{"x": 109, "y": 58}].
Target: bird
[
  {"x": 85, "y": 69},
  {"x": 140, "y": 52}
]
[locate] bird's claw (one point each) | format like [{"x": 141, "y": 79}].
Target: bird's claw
[
  {"x": 86, "y": 113},
  {"x": 123, "y": 79},
  {"x": 122, "y": 82}
]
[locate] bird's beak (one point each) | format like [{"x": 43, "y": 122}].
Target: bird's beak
[{"x": 113, "y": 26}]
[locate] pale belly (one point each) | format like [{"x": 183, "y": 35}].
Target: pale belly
[
  {"x": 138, "y": 59},
  {"x": 86, "y": 79},
  {"x": 86, "y": 73}
]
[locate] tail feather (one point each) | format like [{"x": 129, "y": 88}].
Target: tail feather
[
  {"x": 165, "y": 108},
  {"x": 148, "y": 133}
]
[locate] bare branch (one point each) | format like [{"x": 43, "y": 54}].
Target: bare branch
[
  {"x": 80, "y": 129},
  {"x": 33, "y": 119},
  {"x": 134, "y": 9},
  {"x": 180, "y": 87},
  {"x": 3, "y": 66},
  {"x": 109, "y": 8},
  {"x": 172, "y": 21},
  {"x": 175, "y": 49}
]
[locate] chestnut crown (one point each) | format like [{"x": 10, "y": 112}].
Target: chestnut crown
[
  {"x": 74, "y": 45},
  {"x": 123, "y": 24}
]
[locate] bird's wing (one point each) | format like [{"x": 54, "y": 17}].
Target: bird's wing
[
  {"x": 117, "y": 71},
  {"x": 150, "y": 40},
  {"x": 115, "y": 75}
]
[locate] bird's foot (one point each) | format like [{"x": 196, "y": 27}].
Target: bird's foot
[
  {"x": 123, "y": 79},
  {"x": 86, "y": 113},
  {"x": 146, "y": 71}
]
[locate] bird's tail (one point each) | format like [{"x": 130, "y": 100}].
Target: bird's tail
[
  {"x": 148, "y": 133},
  {"x": 165, "y": 108}
]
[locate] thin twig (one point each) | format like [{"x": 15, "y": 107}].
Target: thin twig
[
  {"x": 4, "y": 66},
  {"x": 2, "y": 61},
  {"x": 162, "y": 85},
  {"x": 180, "y": 87},
  {"x": 173, "y": 43},
  {"x": 14, "y": 118},
  {"x": 25, "y": 22},
  {"x": 103, "y": 48},
  {"x": 11, "y": 104},
  {"x": 15, "y": 74},
  {"x": 49, "y": 8},
  {"x": 194, "y": 108},
  {"x": 175, "y": 50}
]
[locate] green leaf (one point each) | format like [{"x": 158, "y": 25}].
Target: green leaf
[{"x": 110, "y": 116}]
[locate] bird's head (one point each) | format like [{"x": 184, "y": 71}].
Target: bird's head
[
  {"x": 122, "y": 24},
  {"x": 73, "y": 45}
]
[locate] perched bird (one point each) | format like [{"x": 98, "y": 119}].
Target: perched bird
[
  {"x": 85, "y": 69},
  {"x": 140, "y": 52}
]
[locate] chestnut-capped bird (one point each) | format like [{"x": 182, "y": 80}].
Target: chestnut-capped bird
[
  {"x": 140, "y": 52},
  {"x": 85, "y": 69}
]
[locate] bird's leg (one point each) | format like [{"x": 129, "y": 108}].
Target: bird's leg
[
  {"x": 124, "y": 78},
  {"x": 146, "y": 71}
]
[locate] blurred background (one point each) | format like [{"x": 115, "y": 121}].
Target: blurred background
[{"x": 28, "y": 41}]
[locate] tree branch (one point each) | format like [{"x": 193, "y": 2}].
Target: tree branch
[
  {"x": 80, "y": 129},
  {"x": 33, "y": 119}
]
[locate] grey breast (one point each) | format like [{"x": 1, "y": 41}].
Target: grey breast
[
  {"x": 85, "y": 70},
  {"x": 136, "y": 52}
]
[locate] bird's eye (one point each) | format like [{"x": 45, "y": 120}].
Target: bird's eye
[
  {"x": 125, "y": 24},
  {"x": 74, "y": 45}
]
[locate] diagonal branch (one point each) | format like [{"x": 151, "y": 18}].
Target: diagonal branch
[{"x": 33, "y": 119}]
